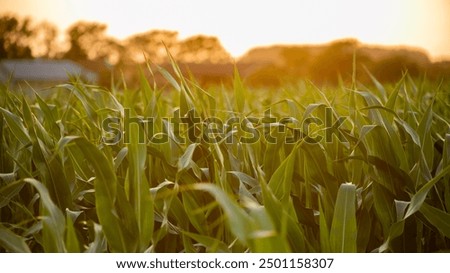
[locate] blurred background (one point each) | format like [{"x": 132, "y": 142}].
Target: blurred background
[{"x": 270, "y": 42}]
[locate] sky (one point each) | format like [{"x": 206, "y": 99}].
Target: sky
[{"x": 243, "y": 24}]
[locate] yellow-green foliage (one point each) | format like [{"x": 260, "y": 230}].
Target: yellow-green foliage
[{"x": 298, "y": 169}]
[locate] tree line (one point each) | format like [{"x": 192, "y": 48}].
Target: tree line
[
  {"x": 207, "y": 60},
  {"x": 340, "y": 61},
  {"x": 23, "y": 38}
]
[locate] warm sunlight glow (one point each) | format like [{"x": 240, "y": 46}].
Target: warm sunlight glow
[{"x": 241, "y": 25}]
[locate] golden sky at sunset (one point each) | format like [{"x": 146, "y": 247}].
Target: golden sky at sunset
[{"x": 241, "y": 25}]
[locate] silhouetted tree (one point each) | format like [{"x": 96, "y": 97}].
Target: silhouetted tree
[
  {"x": 202, "y": 48},
  {"x": 15, "y": 36},
  {"x": 151, "y": 44},
  {"x": 44, "y": 42},
  {"x": 392, "y": 68},
  {"x": 297, "y": 62},
  {"x": 269, "y": 76},
  {"x": 86, "y": 41},
  {"x": 113, "y": 51},
  {"x": 336, "y": 60}
]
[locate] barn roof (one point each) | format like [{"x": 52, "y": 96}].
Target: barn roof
[{"x": 43, "y": 70}]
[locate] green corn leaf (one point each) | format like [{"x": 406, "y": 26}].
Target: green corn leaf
[
  {"x": 238, "y": 220},
  {"x": 140, "y": 196},
  {"x": 281, "y": 180},
  {"x": 192, "y": 206},
  {"x": 105, "y": 186},
  {"x": 438, "y": 218},
  {"x": 49, "y": 165},
  {"x": 12, "y": 242},
  {"x": 418, "y": 198},
  {"x": 99, "y": 245},
  {"x": 49, "y": 115},
  {"x": 239, "y": 92},
  {"x": 282, "y": 215},
  {"x": 265, "y": 237},
  {"x": 324, "y": 231},
  {"x": 377, "y": 84},
  {"x": 16, "y": 126},
  {"x": 211, "y": 244},
  {"x": 53, "y": 220},
  {"x": 383, "y": 203},
  {"x": 185, "y": 160},
  {"x": 343, "y": 232},
  {"x": 71, "y": 240},
  {"x": 169, "y": 78},
  {"x": 424, "y": 131},
  {"x": 9, "y": 191}
]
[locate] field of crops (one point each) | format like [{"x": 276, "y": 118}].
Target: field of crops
[{"x": 227, "y": 169}]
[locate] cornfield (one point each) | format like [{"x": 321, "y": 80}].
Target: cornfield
[{"x": 226, "y": 169}]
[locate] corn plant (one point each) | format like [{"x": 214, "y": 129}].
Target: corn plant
[{"x": 228, "y": 169}]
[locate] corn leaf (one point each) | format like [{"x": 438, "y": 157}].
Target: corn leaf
[
  {"x": 12, "y": 242},
  {"x": 53, "y": 220},
  {"x": 343, "y": 232},
  {"x": 438, "y": 218},
  {"x": 105, "y": 193}
]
